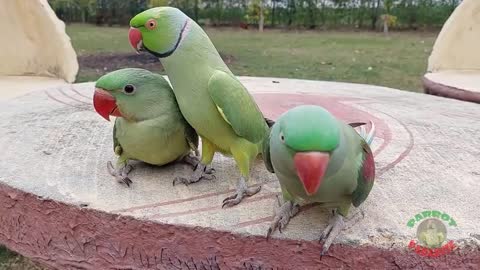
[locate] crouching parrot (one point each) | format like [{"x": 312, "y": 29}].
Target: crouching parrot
[
  {"x": 149, "y": 126},
  {"x": 319, "y": 159},
  {"x": 210, "y": 97}
]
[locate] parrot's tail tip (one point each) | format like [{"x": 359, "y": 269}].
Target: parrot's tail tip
[
  {"x": 368, "y": 137},
  {"x": 371, "y": 134}
]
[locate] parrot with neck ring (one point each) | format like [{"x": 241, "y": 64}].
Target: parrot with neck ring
[
  {"x": 210, "y": 97},
  {"x": 149, "y": 126},
  {"x": 319, "y": 159}
]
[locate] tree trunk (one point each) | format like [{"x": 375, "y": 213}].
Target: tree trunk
[
  {"x": 291, "y": 11},
  {"x": 195, "y": 11},
  {"x": 376, "y": 7},
  {"x": 385, "y": 25},
  {"x": 260, "y": 22},
  {"x": 274, "y": 5}
]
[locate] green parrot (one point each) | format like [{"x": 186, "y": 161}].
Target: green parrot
[
  {"x": 149, "y": 126},
  {"x": 319, "y": 159},
  {"x": 210, "y": 97}
]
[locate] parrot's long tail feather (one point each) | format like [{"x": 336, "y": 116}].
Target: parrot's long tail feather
[{"x": 368, "y": 137}]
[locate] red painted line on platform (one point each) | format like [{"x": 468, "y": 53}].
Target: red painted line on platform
[
  {"x": 380, "y": 149},
  {"x": 211, "y": 208},
  {"x": 72, "y": 98},
  {"x": 404, "y": 154},
  {"x": 80, "y": 94},
  {"x": 60, "y": 101},
  {"x": 194, "y": 198},
  {"x": 254, "y": 222},
  {"x": 258, "y": 221}
]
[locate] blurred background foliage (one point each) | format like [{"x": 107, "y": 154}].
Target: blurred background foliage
[{"x": 306, "y": 14}]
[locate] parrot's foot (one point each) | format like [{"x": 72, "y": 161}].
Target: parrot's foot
[
  {"x": 282, "y": 216},
  {"x": 120, "y": 174},
  {"x": 242, "y": 191},
  {"x": 333, "y": 229},
  {"x": 194, "y": 161},
  {"x": 201, "y": 171}
]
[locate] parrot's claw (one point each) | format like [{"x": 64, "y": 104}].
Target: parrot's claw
[
  {"x": 194, "y": 161},
  {"x": 282, "y": 216},
  {"x": 201, "y": 171},
  {"x": 242, "y": 191},
  {"x": 333, "y": 229},
  {"x": 121, "y": 174}
]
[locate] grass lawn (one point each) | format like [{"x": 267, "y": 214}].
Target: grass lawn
[{"x": 396, "y": 61}]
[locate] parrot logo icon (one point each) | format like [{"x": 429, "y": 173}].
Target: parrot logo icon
[{"x": 431, "y": 233}]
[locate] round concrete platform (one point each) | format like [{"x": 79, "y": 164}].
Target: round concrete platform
[
  {"x": 458, "y": 84},
  {"x": 62, "y": 208}
]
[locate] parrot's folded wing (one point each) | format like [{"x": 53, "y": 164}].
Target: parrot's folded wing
[
  {"x": 237, "y": 106},
  {"x": 266, "y": 154},
  {"x": 366, "y": 176},
  {"x": 117, "y": 148}
]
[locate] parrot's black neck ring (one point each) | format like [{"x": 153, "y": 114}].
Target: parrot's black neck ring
[{"x": 170, "y": 52}]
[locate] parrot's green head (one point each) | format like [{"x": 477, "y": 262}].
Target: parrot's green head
[
  {"x": 134, "y": 94},
  {"x": 308, "y": 134},
  {"x": 158, "y": 30}
]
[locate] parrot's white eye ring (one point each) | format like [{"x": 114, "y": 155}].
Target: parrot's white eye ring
[
  {"x": 151, "y": 24},
  {"x": 282, "y": 138},
  {"x": 129, "y": 89}
]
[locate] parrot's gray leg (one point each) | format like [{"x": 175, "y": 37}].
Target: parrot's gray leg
[
  {"x": 242, "y": 190},
  {"x": 194, "y": 161},
  {"x": 282, "y": 216},
  {"x": 201, "y": 172},
  {"x": 121, "y": 173},
  {"x": 333, "y": 229}
]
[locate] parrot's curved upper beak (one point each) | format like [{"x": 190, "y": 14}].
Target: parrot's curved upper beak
[
  {"x": 135, "y": 38},
  {"x": 105, "y": 104},
  {"x": 311, "y": 168}
]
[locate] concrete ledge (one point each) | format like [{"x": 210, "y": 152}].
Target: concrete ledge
[
  {"x": 62, "y": 208},
  {"x": 465, "y": 87},
  {"x": 13, "y": 86},
  {"x": 66, "y": 236}
]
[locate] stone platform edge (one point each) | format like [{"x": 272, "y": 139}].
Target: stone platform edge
[
  {"x": 438, "y": 89},
  {"x": 63, "y": 236}
]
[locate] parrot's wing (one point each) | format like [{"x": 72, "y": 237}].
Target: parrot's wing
[
  {"x": 366, "y": 176},
  {"x": 237, "y": 106},
  {"x": 117, "y": 148},
  {"x": 266, "y": 154},
  {"x": 192, "y": 137}
]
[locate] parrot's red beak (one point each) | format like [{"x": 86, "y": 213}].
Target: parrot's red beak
[
  {"x": 135, "y": 38},
  {"x": 311, "y": 167},
  {"x": 105, "y": 104}
]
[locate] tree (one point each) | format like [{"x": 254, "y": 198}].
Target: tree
[
  {"x": 387, "y": 18},
  {"x": 256, "y": 13}
]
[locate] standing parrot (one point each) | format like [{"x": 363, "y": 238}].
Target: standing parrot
[
  {"x": 319, "y": 159},
  {"x": 149, "y": 126},
  {"x": 210, "y": 97}
]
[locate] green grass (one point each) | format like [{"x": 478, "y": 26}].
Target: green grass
[
  {"x": 12, "y": 261},
  {"x": 396, "y": 61}
]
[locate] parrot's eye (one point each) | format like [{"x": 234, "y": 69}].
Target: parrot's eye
[
  {"x": 129, "y": 89},
  {"x": 282, "y": 138},
  {"x": 151, "y": 24}
]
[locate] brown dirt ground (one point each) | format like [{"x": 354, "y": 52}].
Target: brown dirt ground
[{"x": 96, "y": 65}]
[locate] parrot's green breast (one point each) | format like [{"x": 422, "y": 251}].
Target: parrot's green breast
[{"x": 158, "y": 141}]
